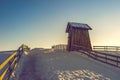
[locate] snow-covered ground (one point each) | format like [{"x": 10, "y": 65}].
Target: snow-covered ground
[{"x": 47, "y": 65}]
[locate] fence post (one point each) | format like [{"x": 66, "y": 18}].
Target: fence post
[
  {"x": 96, "y": 55},
  {"x": 116, "y": 49},
  {"x": 117, "y": 62},
  {"x": 106, "y": 58}
]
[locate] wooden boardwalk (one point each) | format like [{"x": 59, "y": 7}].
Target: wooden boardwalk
[{"x": 28, "y": 69}]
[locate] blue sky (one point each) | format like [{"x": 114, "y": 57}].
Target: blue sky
[{"x": 42, "y": 23}]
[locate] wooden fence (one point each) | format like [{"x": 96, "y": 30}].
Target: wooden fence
[
  {"x": 104, "y": 57},
  {"x": 99, "y": 53},
  {"x": 8, "y": 65},
  {"x": 61, "y": 47},
  {"x": 106, "y": 48}
]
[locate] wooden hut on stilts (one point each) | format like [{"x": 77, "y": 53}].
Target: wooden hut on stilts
[{"x": 78, "y": 36}]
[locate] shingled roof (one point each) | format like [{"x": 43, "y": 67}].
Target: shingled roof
[{"x": 78, "y": 25}]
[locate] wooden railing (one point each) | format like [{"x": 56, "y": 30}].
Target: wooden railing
[
  {"x": 76, "y": 47},
  {"x": 104, "y": 57},
  {"x": 8, "y": 65},
  {"x": 106, "y": 48}
]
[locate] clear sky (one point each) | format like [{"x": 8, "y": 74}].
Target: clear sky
[{"x": 42, "y": 23}]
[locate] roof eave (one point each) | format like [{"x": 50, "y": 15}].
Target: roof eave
[{"x": 68, "y": 27}]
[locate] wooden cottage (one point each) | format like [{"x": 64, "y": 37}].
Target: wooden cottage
[{"x": 78, "y": 36}]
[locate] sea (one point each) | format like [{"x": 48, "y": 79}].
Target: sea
[{"x": 4, "y": 55}]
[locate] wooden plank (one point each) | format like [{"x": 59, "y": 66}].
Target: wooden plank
[
  {"x": 106, "y": 48},
  {"x": 107, "y": 54},
  {"x": 3, "y": 74}
]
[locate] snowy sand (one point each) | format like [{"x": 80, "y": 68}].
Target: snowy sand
[{"x": 46, "y": 65}]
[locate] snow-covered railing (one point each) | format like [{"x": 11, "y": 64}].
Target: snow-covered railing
[
  {"x": 8, "y": 65},
  {"x": 106, "y": 48},
  {"x": 110, "y": 59}
]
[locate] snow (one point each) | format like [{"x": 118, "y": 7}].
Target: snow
[
  {"x": 47, "y": 65},
  {"x": 80, "y": 75},
  {"x": 79, "y": 25}
]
